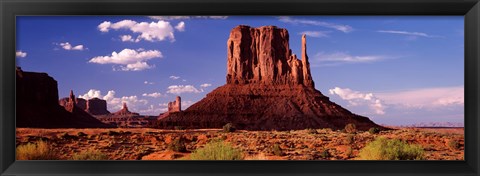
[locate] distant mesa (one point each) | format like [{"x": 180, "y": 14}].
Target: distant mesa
[
  {"x": 37, "y": 105},
  {"x": 267, "y": 88},
  {"x": 172, "y": 107},
  {"x": 124, "y": 111},
  {"x": 94, "y": 106}
]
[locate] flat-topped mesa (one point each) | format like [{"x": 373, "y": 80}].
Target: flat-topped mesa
[{"x": 263, "y": 55}]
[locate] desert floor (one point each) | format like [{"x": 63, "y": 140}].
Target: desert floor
[{"x": 152, "y": 144}]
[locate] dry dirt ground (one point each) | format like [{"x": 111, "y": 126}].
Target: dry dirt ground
[{"x": 317, "y": 144}]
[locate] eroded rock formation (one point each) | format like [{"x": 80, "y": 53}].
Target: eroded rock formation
[
  {"x": 268, "y": 88},
  {"x": 124, "y": 112},
  {"x": 37, "y": 105},
  {"x": 96, "y": 106},
  {"x": 262, "y": 55},
  {"x": 173, "y": 106}
]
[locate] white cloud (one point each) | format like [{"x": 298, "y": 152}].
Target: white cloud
[
  {"x": 422, "y": 100},
  {"x": 68, "y": 46},
  {"x": 153, "y": 31},
  {"x": 131, "y": 60},
  {"x": 186, "y": 104},
  {"x": 174, "y": 77},
  {"x": 416, "y": 34},
  {"x": 153, "y": 95},
  {"x": 205, "y": 85},
  {"x": 180, "y": 26},
  {"x": 317, "y": 34},
  {"x": 428, "y": 98},
  {"x": 20, "y": 54},
  {"x": 339, "y": 27},
  {"x": 127, "y": 38},
  {"x": 146, "y": 82},
  {"x": 187, "y": 17},
  {"x": 179, "y": 89},
  {"x": 337, "y": 58},
  {"x": 356, "y": 98},
  {"x": 104, "y": 26},
  {"x": 115, "y": 103}
]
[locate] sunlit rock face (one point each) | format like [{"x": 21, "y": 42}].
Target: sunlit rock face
[{"x": 267, "y": 88}]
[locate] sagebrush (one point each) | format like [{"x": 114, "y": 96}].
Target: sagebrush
[
  {"x": 39, "y": 150},
  {"x": 90, "y": 155},
  {"x": 391, "y": 149},
  {"x": 217, "y": 150}
]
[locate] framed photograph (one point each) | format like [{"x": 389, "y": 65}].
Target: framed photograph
[{"x": 239, "y": 88}]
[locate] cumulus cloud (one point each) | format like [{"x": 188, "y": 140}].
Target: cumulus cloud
[
  {"x": 180, "y": 26},
  {"x": 179, "y": 89},
  {"x": 68, "y": 46},
  {"x": 153, "y": 31},
  {"x": 317, "y": 34},
  {"x": 205, "y": 85},
  {"x": 128, "y": 38},
  {"x": 153, "y": 95},
  {"x": 356, "y": 98},
  {"x": 174, "y": 77},
  {"x": 416, "y": 34},
  {"x": 339, "y": 27},
  {"x": 338, "y": 58},
  {"x": 187, "y": 17},
  {"x": 115, "y": 103},
  {"x": 20, "y": 54},
  {"x": 129, "y": 59}
]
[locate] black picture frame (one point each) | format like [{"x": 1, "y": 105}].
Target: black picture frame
[{"x": 9, "y": 9}]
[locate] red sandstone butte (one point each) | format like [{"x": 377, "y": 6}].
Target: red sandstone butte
[
  {"x": 37, "y": 105},
  {"x": 268, "y": 88}
]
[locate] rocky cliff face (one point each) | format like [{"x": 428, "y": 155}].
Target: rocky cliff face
[
  {"x": 37, "y": 105},
  {"x": 262, "y": 55},
  {"x": 268, "y": 88}
]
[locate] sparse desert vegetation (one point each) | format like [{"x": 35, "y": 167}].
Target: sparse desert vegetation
[
  {"x": 391, "y": 149},
  {"x": 309, "y": 144},
  {"x": 38, "y": 150},
  {"x": 217, "y": 150}
]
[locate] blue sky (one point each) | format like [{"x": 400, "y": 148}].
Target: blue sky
[{"x": 395, "y": 70}]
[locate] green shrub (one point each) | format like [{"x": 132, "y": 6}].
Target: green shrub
[
  {"x": 350, "y": 139},
  {"x": 36, "y": 151},
  {"x": 374, "y": 130},
  {"x": 277, "y": 150},
  {"x": 350, "y": 128},
  {"x": 178, "y": 145},
  {"x": 81, "y": 134},
  {"x": 349, "y": 152},
  {"x": 112, "y": 133},
  {"x": 217, "y": 150},
  {"x": 391, "y": 149},
  {"x": 90, "y": 155},
  {"x": 325, "y": 154},
  {"x": 311, "y": 131},
  {"x": 178, "y": 127},
  {"x": 453, "y": 144},
  {"x": 229, "y": 127}
]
